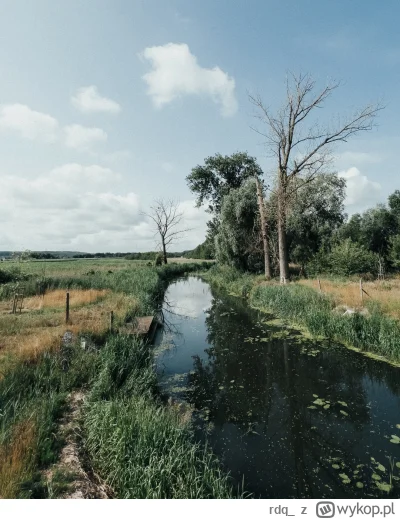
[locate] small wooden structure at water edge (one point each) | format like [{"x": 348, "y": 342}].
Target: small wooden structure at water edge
[{"x": 143, "y": 327}]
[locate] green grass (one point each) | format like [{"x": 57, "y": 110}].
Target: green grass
[
  {"x": 376, "y": 333},
  {"x": 32, "y": 399},
  {"x": 139, "y": 446}
]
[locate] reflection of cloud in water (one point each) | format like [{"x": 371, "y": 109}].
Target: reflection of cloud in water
[{"x": 184, "y": 298}]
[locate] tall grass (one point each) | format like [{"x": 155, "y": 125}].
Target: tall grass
[
  {"x": 141, "y": 448},
  {"x": 32, "y": 398},
  {"x": 376, "y": 333}
]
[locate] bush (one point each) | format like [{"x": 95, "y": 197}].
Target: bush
[{"x": 345, "y": 259}]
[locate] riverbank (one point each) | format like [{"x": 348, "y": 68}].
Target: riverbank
[
  {"x": 151, "y": 452},
  {"x": 373, "y": 333}
]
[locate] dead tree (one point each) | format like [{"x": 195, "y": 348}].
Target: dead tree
[
  {"x": 167, "y": 220},
  {"x": 300, "y": 145}
]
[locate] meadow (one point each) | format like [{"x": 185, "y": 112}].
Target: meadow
[{"x": 137, "y": 446}]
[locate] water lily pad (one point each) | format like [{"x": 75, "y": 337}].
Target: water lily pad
[
  {"x": 398, "y": 425},
  {"x": 232, "y": 381},
  {"x": 356, "y": 471},
  {"x": 395, "y": 439},
  {"x": 342, "y": 403},
  {"x": 335, "y": 466},
  {"x": 315, "y": 396},
  {"x": 319, "y": 402},
  {"x": 381, "y": 468},
  {"x": 344, "y": 413},
  {"x": 359, "y": 484},
  {"x": 376, "y": 477},
  {"x": 344, "y": 476},
  {"x": 398, "y": 464},
  {"x": 383, "y": 486},
  {"x": 221, "y": 387},
  {"x": 312, "y": 407},
  {"x": 327, "y": 406}
]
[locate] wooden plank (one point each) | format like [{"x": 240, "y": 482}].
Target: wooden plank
[{"x": 141, "y": 327}]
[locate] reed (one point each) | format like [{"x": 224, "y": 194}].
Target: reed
[
  {"x": 141, "y": 448},
  {"x": 375, "y": 332}
]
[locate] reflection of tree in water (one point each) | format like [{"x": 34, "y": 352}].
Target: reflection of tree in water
[
  {"x": 245, "y": 382},
  {"x": 264, "y": 391}
]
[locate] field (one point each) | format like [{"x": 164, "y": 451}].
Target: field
[
  {"x": 347, "y": 292},
  {"x": 57, "y": 398}
]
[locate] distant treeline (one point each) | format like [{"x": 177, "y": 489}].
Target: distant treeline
[
  {"x": 128, "y": 255},
  {"x": 202, "y": 251}
]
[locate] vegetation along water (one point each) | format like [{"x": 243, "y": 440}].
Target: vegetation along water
[{"x": 288, "y": 415}]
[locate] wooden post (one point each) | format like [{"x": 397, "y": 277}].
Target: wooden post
[
  {"x": 319, "y": 285},
  {"x": 67, "y": 309},
  {"x": 361, "y": 292},
  {"x": 14, "y": 307},
  {"x": 111, "y": 321}
]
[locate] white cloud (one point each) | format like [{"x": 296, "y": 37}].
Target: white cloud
[
  {"x": 360, "y": 191},
  {"x": 82, "y": 137},
  {"x": 28, "y": 123},
  {"x": 78, "y": 207},
  {"x": 88, "y": 100},
  {"x": 176, "y": 73},
  {"x": 70, "y": 204}
]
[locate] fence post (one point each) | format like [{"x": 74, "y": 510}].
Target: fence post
[
  {"x": 14, "y": 307},
  {"x": 111, "y": 321},
  {"x": 319, "y": 285},
  {"x": 361, "y": 292},
  {"x": 67, "y": 309}
]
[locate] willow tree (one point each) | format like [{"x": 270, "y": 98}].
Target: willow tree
[{"x": 301, "y": 145}]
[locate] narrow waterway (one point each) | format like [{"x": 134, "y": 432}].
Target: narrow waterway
[{"x": 289, "y": 416}]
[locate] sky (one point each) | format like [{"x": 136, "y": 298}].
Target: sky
[{"x": 107, "y": 105}]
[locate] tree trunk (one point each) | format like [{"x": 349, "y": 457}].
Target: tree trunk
[
  {"x": 282, "y": 246},
  {"x": 260, "y": 198},
  {"x": 164, "y": 252}
]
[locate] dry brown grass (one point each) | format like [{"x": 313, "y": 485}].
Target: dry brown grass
[
  {"x": 27, "y": 335},
  {"x": 16, "y": 459},
  {"x": 56, "y": 299},
  {"x": 386, "y": 293}
]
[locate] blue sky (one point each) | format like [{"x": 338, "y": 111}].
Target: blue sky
[{"x": 106, "y": 105}]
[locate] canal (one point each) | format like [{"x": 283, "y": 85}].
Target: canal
[{"x": 287, "y": 416}]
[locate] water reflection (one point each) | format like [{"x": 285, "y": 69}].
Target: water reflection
[{"x": 293, "y": 417}]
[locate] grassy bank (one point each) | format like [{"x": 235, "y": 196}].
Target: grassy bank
[
  {"x": 376, "y": 333},
  {"x": 139, "y": 447}
]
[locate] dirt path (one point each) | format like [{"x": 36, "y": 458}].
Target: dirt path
[{"x": 68, "y": 479}]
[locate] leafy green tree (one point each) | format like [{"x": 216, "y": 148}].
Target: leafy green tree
[
  {"x": 316, "y": 213},
  {"x": 238, "y": 242},
  {"x": 219, "y": 174},
  {"x": 378, "y": 225},
  {"x": 394, "y": 203},
  {"x": 351, "y": 229},
  {"x": 394, "y": 250},
  {"x": 202, "y": 251},
  {"x": 347, "y": 258}
]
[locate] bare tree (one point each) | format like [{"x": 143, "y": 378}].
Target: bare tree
[
  {"x": 300, "y": 145},
  {"x": 167, "y": 220}
]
